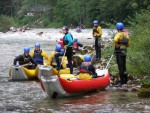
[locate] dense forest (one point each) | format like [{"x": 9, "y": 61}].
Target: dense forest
[{"x": 56, "y": 13}]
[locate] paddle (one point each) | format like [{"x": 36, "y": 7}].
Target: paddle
[
  {"x": 61, "y": 62},
  {"x": 109, "y": 61}
]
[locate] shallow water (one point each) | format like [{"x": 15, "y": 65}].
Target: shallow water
[{"x": 28, "y": 97}]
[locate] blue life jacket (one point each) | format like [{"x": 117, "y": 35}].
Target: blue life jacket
[{"x": 38, "y": 57}]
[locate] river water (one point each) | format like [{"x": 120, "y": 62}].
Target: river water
[{"x": 28, "y": 97}]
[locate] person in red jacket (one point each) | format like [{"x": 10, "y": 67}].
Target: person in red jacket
[
  {"x": 60, "y": 42},
  {"x": 76, "y": 44}
]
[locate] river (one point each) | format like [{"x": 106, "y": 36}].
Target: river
[{"x": 28, "y": 97}]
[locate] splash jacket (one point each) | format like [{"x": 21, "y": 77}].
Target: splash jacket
[
  {"x": 38, "y": 56},
  {"x": 52, "y": 60},
  {"x": 97, "y": 31},
  {"x": 87, "y": 71},
  {"x": 121, "y": 42},
  {"x": 24, "y": 60},
  {"x": 68, "y": 40}
]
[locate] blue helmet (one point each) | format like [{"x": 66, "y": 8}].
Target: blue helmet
[
  {"x": 95, "y": 22},
  {"x": 119, "y": 25},
  {"x": 58, "y": 47},
  {"x": 87, "y": 58},
  {"x": 75, "y": 40},
  {"x": 37, "y": 45},
  {"x": 26, "y": 49}
]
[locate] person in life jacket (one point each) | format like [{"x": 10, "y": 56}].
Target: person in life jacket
[
  {"x": 97, "y": 32},
  {"x": 68, "y": 43},
  {"x": 60, "y": 42},
  {"x": 121, "y": 42},
  {"x": 76, "y": 44},
  {"x": 54, "y": 58},
  {"x": 87, "y": 70},
  {"x": 25, "y": 59},
  {"x": 78, "y": 29},
  {"x": 38, "y": 55}
]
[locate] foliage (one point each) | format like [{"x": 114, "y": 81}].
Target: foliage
[
  {"x": 138, "y": 54},
  {"x": 6, "y": 22},
  {"x": 75, "y": 12}
]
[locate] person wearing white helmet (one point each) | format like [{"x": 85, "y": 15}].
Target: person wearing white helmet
[
  {"x": 68, "y": 43},
  {"x": 121, "y": 42},
  {"x": 97, "y": 32}
]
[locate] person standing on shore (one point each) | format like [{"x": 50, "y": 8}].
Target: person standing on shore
[
  {"x": 121, "y": 42},
  {"x": 97, "y": 32}
]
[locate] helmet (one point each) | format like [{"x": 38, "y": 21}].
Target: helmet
[
  {"x": 61, "y": 39},
  {"x": 75, "y": 39},
  {"x": 119, "y": 26},
  {"x": 58, "y": 47},
  {"x": 65, "y": 28},
  {"x": 37, "y": 45},
  {"x": 26, "y": 49},
  {"x": 95, "y": 22},
  {"x": 87, "y": 58}
]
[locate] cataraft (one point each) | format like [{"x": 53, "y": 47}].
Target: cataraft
[
  {"x": 22, "y": 73},
  {"x": 64, "y": 85}
]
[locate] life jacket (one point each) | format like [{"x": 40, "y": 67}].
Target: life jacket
[
  {"x": 95, "y": 29},
  {"x": 122, "y": 45},
  {"x": 75, "y": 46},
  {"x": 61, "y": 43},
  {"x": 38, "y": 57},
  {"x": 85, "y": 69},
  {"x": 65, "y": 42},
  {"x": 26, "y": 60}
]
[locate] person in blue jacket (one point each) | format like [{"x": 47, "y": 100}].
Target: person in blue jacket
[{"x": 68, "y": 46}]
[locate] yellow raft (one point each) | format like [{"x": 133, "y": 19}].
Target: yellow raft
[{"x": 22, "y": 73}]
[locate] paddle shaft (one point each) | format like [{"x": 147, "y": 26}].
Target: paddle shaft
[{"x": 109, "y": 61}]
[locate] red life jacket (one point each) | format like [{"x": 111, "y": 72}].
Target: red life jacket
[
  {"x": 75, "y": 46},
  {"x": 61, "y": 43}
]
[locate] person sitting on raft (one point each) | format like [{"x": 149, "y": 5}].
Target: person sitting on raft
[
  {"x": 60, "y": 42},
  {"x": 38, "y": 55},
  {"x": 76, "y": 44},
  {"x": 54, "y": 57},
  {"x": 87, "y": 70},
  {"x": 25, "y": 59}
]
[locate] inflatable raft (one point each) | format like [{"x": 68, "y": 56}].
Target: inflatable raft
[
  {"x": 53, "y": 70},
  {"x": 68, "y": 85},
  {"x": 22, "y": 73}
]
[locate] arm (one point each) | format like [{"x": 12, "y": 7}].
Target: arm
[
  {"x": 51, "y": 57},
  {"x": 79, "y": 44},
  {"x": 17, "y": 59},
  {"x": 32, "y": 61},
  {"x": 69, "y": 38},
  {"x": 116, "y": 40},
  {"x": 44, "y": 54},
  {"x": 99, "y": 29},
  {"x": 32, "y": 53}
]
